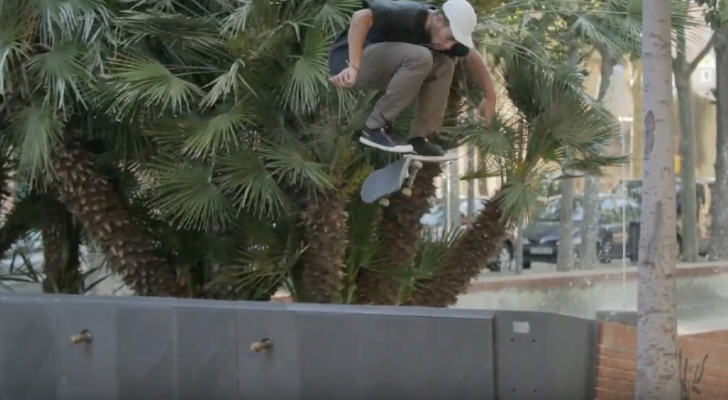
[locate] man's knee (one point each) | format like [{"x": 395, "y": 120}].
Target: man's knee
[
  {"x": 443, "y": 66},
  {"x": 416, "y": 57}
]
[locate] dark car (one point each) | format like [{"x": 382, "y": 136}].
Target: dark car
[{"x": 541, "y": 237}]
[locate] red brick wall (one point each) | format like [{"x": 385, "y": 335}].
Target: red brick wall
[{"x": 617, "y": 365}]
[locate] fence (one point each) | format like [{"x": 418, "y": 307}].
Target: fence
[{"x": 150, "y": 348}]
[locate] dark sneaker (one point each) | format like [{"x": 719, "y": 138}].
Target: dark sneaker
[
  {"x": 425, "y": 150},
  {"x": 384, "y": 140},
  {"x": 443, "y": 141}
]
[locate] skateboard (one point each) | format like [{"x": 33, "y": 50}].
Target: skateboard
[{"x": 397, "y": 176}]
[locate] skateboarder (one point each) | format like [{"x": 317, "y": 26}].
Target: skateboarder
[{"x": 409, "y": 50}]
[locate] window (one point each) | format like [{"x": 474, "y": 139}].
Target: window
[
  {"x": 706, "y": 75},
  {"x": 612, "y": 209}
]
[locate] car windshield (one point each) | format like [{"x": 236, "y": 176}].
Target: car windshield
[
  {"x": 609, "y": 204},
  {"x": 552, "y": 210}
]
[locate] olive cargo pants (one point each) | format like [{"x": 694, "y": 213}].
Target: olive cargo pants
[{"x": 407, "y": 72}]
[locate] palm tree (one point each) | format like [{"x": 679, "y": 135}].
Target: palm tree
[
  {"x": 58, "y": 77},
  {"x": 511, "y": 27},
  {"x": 200, "y": 146},
  {"x": 553, "y": 124}
]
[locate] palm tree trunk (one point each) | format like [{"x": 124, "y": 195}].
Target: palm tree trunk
[
  {"x": 657, "y": 361},
  {"x": 688, "y": 196},
  {"x": 637, "y": 126},
  {"x": 589, "y": 233},
  {"x": 467, "y": 259},
  {"x": 128, "y": 248},
  {"x": 565, "y": 250},
  {"x": 14, "y": 227},
  {"x": 61, "y": 243},
  {"x": 719, "y": 197},
  {"x": 326, "y": 238},
  {"x": 401, "y": 230}
]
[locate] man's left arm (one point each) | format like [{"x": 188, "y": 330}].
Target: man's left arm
[{"x": 481, "y": 72}]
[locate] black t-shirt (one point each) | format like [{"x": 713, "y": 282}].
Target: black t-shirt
[{"x": 394, "y": 21}]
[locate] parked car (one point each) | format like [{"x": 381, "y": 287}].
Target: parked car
[
  {"x": 703, "y": 193},
  {"x": 541, "y": 237},
  {"x": 434, "y": 224}
]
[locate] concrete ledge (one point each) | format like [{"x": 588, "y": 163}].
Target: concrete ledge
[
  {"x": 588, "y": 277},
  {"x": 606, "y": 294}
]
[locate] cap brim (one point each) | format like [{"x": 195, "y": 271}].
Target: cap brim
[{"x": 464, "y": 39}]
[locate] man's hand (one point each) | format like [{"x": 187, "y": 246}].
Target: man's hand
[
  {"x": 345, "y": 78},
  {"x": 487, "y": 110}
]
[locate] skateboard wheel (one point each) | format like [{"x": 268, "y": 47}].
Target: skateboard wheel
[
  {"x": 384, "y": 202},
  {"x": 417, "y": 164},
  {"x": 407, "y": 192}
]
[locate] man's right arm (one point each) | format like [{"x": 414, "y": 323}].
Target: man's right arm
[{"x": 361, "y": 23}]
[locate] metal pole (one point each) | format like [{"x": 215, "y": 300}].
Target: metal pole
[
  {"x": 618, "y": 73},
  {"x": 471, "y": 185},
  {"x": 454, "y": 178}
]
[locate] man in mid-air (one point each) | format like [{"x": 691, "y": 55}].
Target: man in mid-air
[{"x": 408, "y": 49}]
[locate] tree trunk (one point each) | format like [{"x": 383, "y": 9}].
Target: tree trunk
[
  {"x": 61, "y": 243},
  {"x": 657, "y": 365},
  {"x": 589, "y": 233},
  {"x": 401, "y": 230},
  {"x": 719, "y": 197},
  {"x": 565, "y": 255},
  {"x": 15, "y": 225},
  {"x": 590, "y": 224},
  {"x": 129, "y": 248},
  {"x": 637, "y": 112},
  {"x": 326, "y": 238},
  {"x": 465, "y": 261},
  {"x": 688, "y": 198}
]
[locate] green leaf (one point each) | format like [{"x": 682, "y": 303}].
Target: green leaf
[
  {"x": 36, "y": 132},
  {"x": 302, "y": 90},
  {"x": 143, "y": 83},
  {"x": 244, "y": 176},
  {"x": 186, "y": 195},
  {"x": 218, "y": 132},
  {"x": 61, "y": 72}
]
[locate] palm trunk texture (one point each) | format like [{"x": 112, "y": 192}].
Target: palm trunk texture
[
  {"x": 128, "y": 248},
  {"x": 465, "y": 261},
  {"x": 401, "y": 230},
  {"x": 61, "y": 242},
  {"x": 14, "y": 227},
  {"x": 326, "y": 238}
]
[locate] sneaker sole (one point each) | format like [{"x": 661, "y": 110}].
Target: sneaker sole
[
  {"x": 444, "y": 158},
  {"x": 394, "y": 149}
]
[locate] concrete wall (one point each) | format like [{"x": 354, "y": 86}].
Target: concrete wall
[
  {"x": 702, "y": 292},
  {"x": 147, "y": 348}
]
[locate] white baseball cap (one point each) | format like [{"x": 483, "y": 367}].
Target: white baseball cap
[{"x": 462, "y": 20}]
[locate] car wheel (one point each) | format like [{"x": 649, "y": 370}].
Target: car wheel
[
  {"x": 605, "y": 252},
  {"x": 504, "y": 259}
]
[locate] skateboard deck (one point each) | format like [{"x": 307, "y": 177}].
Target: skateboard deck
[{"x": 397, "y": 176}]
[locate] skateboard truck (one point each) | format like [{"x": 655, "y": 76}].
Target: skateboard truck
[{"x": 406, "y": 189}]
